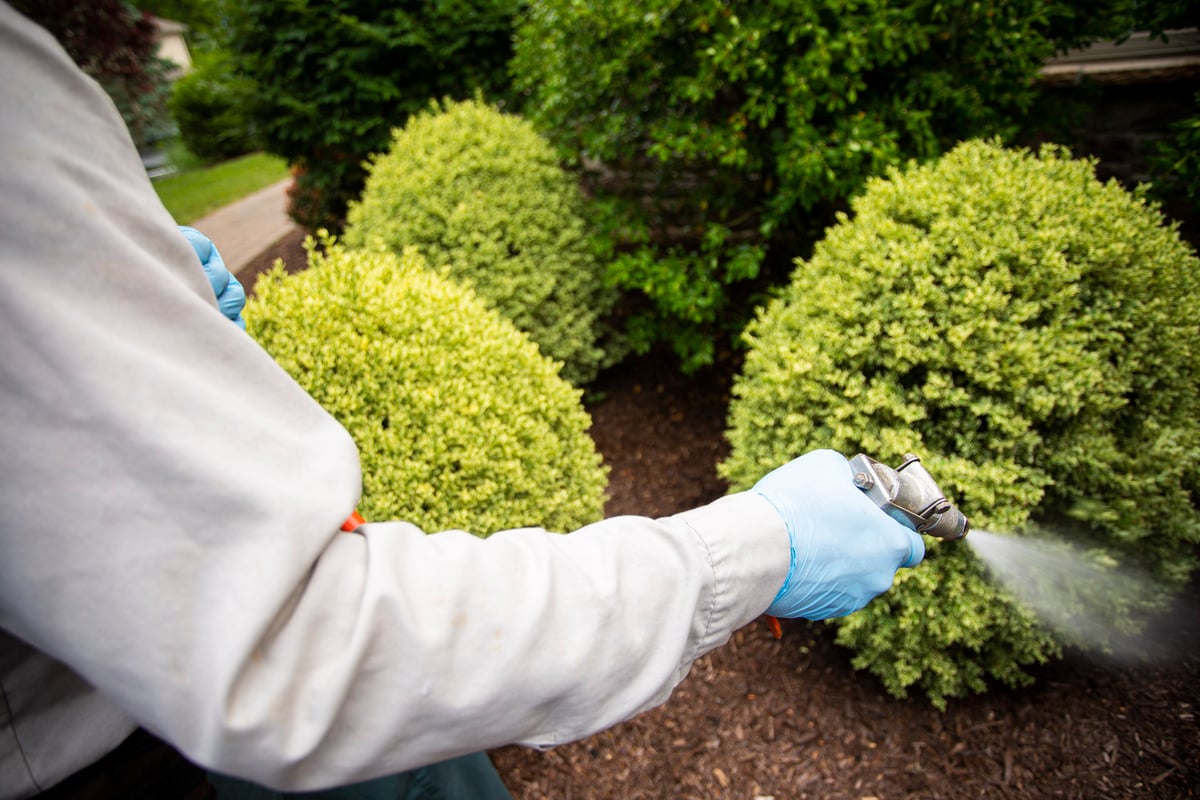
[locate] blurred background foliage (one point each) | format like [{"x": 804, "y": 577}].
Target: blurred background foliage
[{"x": 333, "y": 78}]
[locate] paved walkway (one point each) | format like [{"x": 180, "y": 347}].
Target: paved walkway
[{"x": 246, "y": 228}]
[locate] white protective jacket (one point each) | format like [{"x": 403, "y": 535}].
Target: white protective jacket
[{"x": 170, "y": 553}]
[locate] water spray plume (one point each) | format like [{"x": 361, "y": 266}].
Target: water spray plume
[{"x": 1083, "y": 596}]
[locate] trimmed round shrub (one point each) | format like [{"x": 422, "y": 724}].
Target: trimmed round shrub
[
  {"x": 1034, "y": 335},
  {"x": 211, "y": 107},
  {"x": 459, "y": 421},
  {"x": 483, "y": 196}
]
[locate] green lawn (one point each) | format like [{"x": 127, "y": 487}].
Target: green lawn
[{"x": 194, "y": 193}]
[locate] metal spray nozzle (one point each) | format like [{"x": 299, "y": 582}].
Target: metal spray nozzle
[{"x": 910, "y": 495}]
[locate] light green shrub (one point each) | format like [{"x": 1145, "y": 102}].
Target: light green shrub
[
  {"x": 1034, "y": 334},
  {"x": 480, "y": 193},
  {"x": 460, "y": 423}
]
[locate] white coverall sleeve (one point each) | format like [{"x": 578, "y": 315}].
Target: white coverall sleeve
[{"x": 172, "y": 503}]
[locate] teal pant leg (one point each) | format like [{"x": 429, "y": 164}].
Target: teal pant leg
[
  {"x": 392, "y": 787},
  {"x": 470, "y": 777}
]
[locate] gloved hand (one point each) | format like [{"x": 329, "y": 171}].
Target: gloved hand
[
  {"x": 231, "y": 297},
  {"x": 845, "y": 549}
]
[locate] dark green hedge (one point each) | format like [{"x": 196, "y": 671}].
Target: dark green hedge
[
  {"x": 335, "y": 76},
  {"x": 722, "y": 130}
]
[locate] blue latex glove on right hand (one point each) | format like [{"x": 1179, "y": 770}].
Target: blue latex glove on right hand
[
  {"x": 231, "y": 296},
  {"x": 845, "y": 550}
]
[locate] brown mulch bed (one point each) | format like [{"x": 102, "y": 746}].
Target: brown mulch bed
[{"x": 788, "y": 719}]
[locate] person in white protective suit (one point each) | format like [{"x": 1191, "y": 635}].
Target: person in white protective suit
[{"x": 172, "y": 560}]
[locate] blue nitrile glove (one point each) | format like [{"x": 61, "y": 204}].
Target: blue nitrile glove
[
  {"x": 231, "y": 297},
  {"x": 845, "y": 550}
]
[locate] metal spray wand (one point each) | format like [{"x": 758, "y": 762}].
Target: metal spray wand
[{"x": 909, "y": 495}]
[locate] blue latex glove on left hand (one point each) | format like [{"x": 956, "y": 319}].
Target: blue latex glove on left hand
[
  {"x": 844, "y": 549},
  {"x": 231, "y": 297}
]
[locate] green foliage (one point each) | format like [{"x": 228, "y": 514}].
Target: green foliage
[
  {"x": 211, "y": 107},
  {"x": 460, "y": 423},
  {"x": 1159, "y": 16},
  {"x": 735, "y": 128},
  {"x": 203, "y": 18},
  {"x": 1034, "y": 335},
  {"x": 946, "y": 630},
  {"x": 481, "y": 194},
  {"x": 334, "y": 77},
  {"x": 1178, "y": 158}
]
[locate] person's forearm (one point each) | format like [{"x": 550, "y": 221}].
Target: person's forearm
[{"x": 404, "y": 649}]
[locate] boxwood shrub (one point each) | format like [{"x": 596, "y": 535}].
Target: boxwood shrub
[
  {"x": 459, "y": 421},
  {"x": 1034, "y": 334},
  {"x": 483, "y": 196}
]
